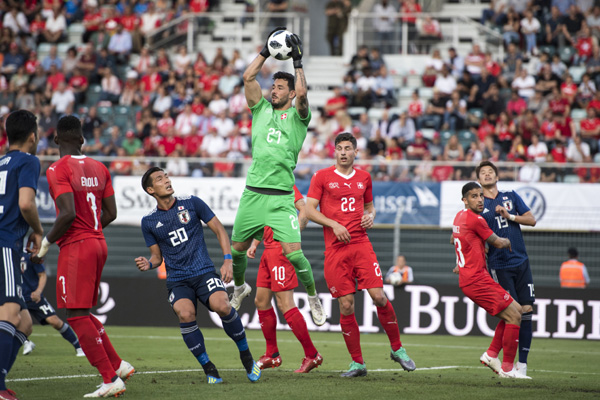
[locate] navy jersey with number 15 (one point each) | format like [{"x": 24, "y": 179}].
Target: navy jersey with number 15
[
  {"x": 505, "y": 228},
  {"x": 179, "y": 234}
]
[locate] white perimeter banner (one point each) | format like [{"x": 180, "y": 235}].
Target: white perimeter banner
[
  {"x": 221, "y": 195},
  {"x": 560, "y": 206}
]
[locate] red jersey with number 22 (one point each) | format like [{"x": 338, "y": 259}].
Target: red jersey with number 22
[
  {"x": 342, "y": 198},
  {"x": 268, "y": 240},
  {"x": 89, "y": 181},
  {"x": 470, "y": 231}
]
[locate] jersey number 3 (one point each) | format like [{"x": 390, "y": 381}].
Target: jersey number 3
[{"x": 460, "y": 257}]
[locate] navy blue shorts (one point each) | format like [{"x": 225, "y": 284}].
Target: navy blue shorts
[
  {"x": 198, "y": 288},
  {"x": 11, "y": 280},
  {"x": 517, "y": 281},
  {"x": 41, "y": 310}
]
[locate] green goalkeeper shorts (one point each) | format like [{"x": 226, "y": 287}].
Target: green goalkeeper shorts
[{"x": 259, "y": 210}]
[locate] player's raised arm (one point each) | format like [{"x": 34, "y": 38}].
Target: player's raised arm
[
  {"x": 498, "y": 242},
  {"x": 301, "y": 87},
  {"x": 109, "y": 210},
  {"x": 29, "y": 211},
  {"x": 144, "y": 264},
  {"x": 218, "y": 229},
  {"x": 340, "y": 231}
]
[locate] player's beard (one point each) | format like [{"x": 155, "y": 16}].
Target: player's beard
[{"x": 279, "y": 103}]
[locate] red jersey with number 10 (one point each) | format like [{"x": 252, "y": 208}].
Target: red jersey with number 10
[
  {"x": 470, "y": 231},
  {"x": 268, "y": 240},
  {"x": 342, "y": 198},
  {"x": 89, "y": 181}
]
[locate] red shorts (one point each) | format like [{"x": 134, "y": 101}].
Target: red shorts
[
  {"x": 488, "y": 294},
  {"x": 78, "y": 273},
  {"x": 275, "y": 271},
  {"x": 346, "y": 265}
]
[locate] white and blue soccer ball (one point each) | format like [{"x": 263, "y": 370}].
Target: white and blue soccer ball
[{"x": 277, "y": 45}]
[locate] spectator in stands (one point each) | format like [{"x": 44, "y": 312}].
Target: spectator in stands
[
  {"x": 335, "y": 103},
  {"x": 484, "y": 83},
  {"x": 56, "y": 26},
  {"x": 474, "y": 62},
  {"x": 573, "y": 273},
  {"x": 510, "y": 30},
  {"x": 24, "y": 100},
  {"x": 537, "y": 151},
  {"x": 365, "y": 85},
  {"x": 547, "y": 82},
  {"x": 385, "y": 88},
  {"x": 186, "y": 122},
  {"x": 52, "y": 59},
  {"x": 384, "y": 21},
  {"x": 416, "y": 106},
  {"x": 434, "y": 113},
  {"x": 228, "y": 81},
  {"x": 364, "y": 125},
  {"x": 468, "y": 90},
  {"x": 92, "y": 19},
  {"x": 337, "y": 12},
  {"x": 151, "y": 19},
  {"x": 430, "y": 33},
  {"x": 16, "y": 21},
  {"x": 120, "y": 45},
  {"x": 456, "y": 114},
  {"x": 473, "y": 153},
  {"x": 411, "y": 10},
  {"x": 217, "y": 104},
  {"x": 277, "y": 7},
  {"x": 495, "y": 14},
  {"x": 181, "y": 60},
  {"x": 445, "y": 83},
  {"x": 162, "y": 102},
  {"x": 436, "y": 149},
  {"x": 120, "y": 165},
  {"x": 360, "y": 60},
  {"x": 590, "y": 129},
  {"x": 79, "y": 85},
  {"x": 585, "y": 91},
  {"x": 223, "y": 124},
  {"x": 170, "y": 142},
  {"x": 114, "y": 142},
  {"x": 593, "y": 22},
  {"x": 571, "y": 25},
  {"x": 559, "y": 104},
  {"x": 376, "y": 59},
  {"x": 530, "y": 172},
  {"x": 493, "y": 104},
  {"x": 13, "y": 60},
  {"x": 490, "y": 149},
  {"x": 512, "y": 62},
  {"x": 70, "y": 62},
  {"x": 403, "y": 129},
  {"x": 111, "y": 87},
  {"x": 132, "y": 23},
  {"x": 417, "y": 149},
  {"x": 530, "y": 27},
  {"x": 177, "y": 165},
  {"x": 63, "y": 99},
  {"x": 90, "y": 121},
  {"x": 456, "y": 63},
  {"x": 528, "y": 125},
  {"x": 578, "y": 151},
  {"x": 516, "y": 105}
]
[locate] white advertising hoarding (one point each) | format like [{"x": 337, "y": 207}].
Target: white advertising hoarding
[{"x": 557, "y": 206}]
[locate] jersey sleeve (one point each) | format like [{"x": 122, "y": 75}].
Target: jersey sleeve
[
  {"x": 202, "y": 210},
  {"x": 108, "y": 188},
  {"x": 306, "y": 120},
  {"x": 481, "y": 228},
  {"x": 30, "y": 173},
  {"x": 149, "y": 237},
  {"x": 520, "y": 205},
  {"x": 297, "y": 195},
  {"x": 59, "y": 180},
  {"x": 259, "y": 106},
  {"x": 315, "y": 189},
  {"x": 368, "y": 196}
]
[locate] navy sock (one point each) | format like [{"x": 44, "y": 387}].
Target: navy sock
[
  {"x": 525, "y": 336},
  {"x": 7, "y": 332},
  {"x": 232, "y": 324},
  {"x": 69, "y": 335},
  {"x": 18, "y": 341},
  {"x": 193, "y": 339}
]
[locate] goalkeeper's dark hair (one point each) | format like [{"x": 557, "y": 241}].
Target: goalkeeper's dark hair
[
  {"x": 468, "y": 187},
  {"x": 68, "y": 129},
  {"x": 346, "y": 137},
  {"x": 147, "y": 179},
  {"x": 19, "y": 125},
  {"x": 485, "y": 164},
  {"x": 286, "y": 76}
]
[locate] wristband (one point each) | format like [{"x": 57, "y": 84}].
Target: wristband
[
  {"x": 227, "y": 257},
  {"x": 44, "y": 248},
  {"x": 512, "y": 217},
  {"x": 151, "y": 266},
  {"x": 298, "y": 63}
]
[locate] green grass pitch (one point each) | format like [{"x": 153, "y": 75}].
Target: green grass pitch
[{"x": 447, "y": 368}]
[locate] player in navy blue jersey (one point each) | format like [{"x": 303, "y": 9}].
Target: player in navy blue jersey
[
  {"x": 173, "y": 230},
  {"x": 34, "y": 282},
  {"x": 504, "y": 213},
  {"x": 19, "y": 174}
]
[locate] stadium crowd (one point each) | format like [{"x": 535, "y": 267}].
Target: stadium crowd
[{"x": 538, "y": 104}]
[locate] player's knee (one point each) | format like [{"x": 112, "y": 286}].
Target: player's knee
[
  {"x": 222, "y": 308},
  {"x": 186, "y": 315},
  {"x": 379, "y": 299},
  {"x": 54, "y": 322},
  {"x": 346, "y": 307}
]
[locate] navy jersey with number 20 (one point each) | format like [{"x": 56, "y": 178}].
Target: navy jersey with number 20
[{"x": 179, "y": 235}]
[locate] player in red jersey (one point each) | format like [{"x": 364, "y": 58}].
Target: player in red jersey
[
  {"x": 469, "y": 232},
  {"x": 345, "y": 198},
  {"x": 277, "y": 275},
  {"x": 85, "y": 203}
]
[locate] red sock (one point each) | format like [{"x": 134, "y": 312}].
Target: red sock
[
  {"x": 114, "y": 358},
  {"x": 91, "y": 344},
  {"x": 510, "y": 345},
  {"x": 496, "y": 344},
  {"x": 296, "y": 321},
  {"x": 352, "y": 337},
  {"x": 387, "y": 318},
  {"x": 268, "y": 324}
]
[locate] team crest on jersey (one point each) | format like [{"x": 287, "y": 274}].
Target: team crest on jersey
[
  {"x": 284, "y": 116},
  {"x": 360, "y": 185},
  {"x": 508, "y": 205},
  {"x": 184, "y": 216},
  {"x": 334, "y": 185}
]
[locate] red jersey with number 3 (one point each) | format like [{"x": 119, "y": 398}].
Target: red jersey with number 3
[
  {"x": 268, "y": 240},
  {"x": 89, "y": 181},
  {"x": 470, "y": 231},
  {"x": 342, "y": 198}
]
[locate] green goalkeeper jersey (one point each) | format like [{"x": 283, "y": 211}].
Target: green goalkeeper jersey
[{"x": 277, "y": 138}]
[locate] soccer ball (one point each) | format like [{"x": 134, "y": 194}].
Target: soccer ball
[
  {"x": 277, "y": 45},
  {"x": 395, "y": 278}
]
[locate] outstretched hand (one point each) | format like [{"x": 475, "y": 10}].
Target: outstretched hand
[
  {"x": 265, "y": 51},
  {"x": 295, "y": 43}
]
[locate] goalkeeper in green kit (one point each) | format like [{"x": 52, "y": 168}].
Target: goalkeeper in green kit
[{"x": 278, "y": 132}]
